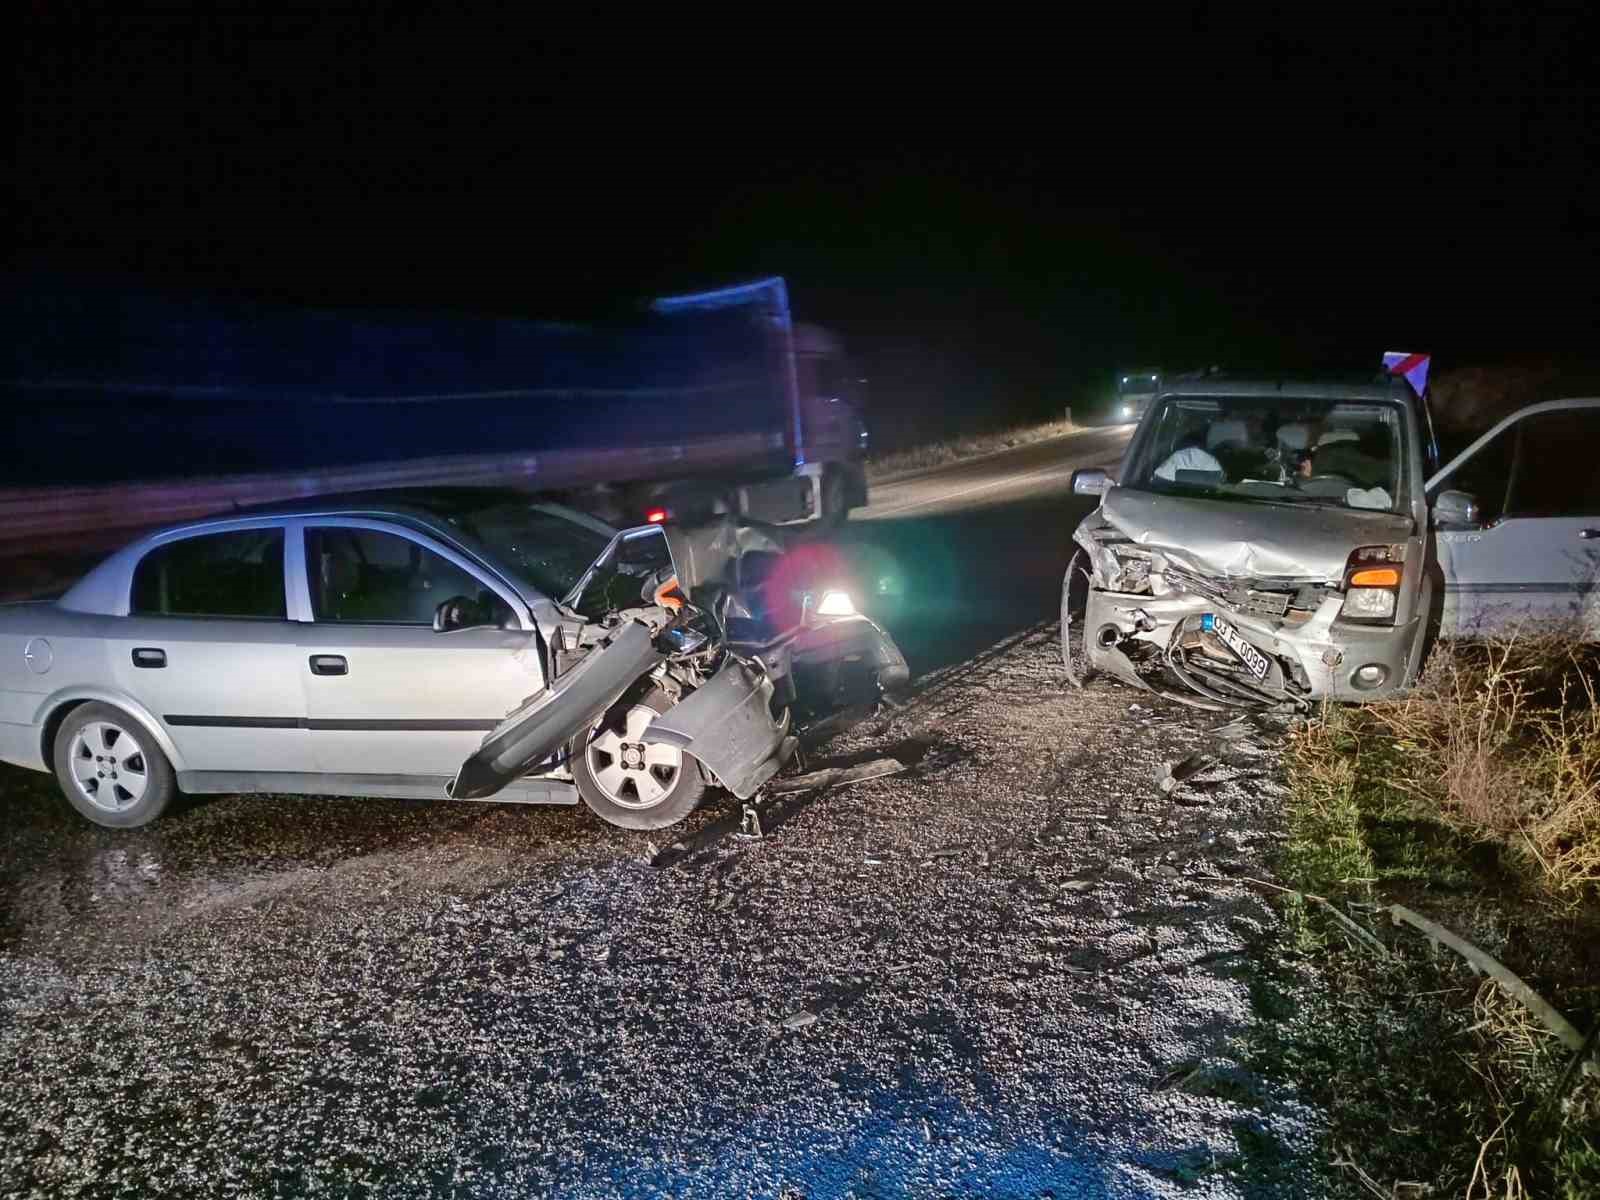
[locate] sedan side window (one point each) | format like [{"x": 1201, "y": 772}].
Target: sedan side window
[
  {"x": 233, "y": 574},
  {"x": 368, "y": 577},
  {"x": 1554, "y": 474}
]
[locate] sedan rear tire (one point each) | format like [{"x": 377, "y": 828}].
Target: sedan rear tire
[
  {"x": 110, "y": 769},
  {"x": 628, "y": 782}
]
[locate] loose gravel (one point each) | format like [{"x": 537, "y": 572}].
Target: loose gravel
[{"x": 1003, "y": 972}]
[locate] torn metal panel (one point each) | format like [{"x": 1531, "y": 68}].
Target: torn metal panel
[
  {"x": 707, "y": 553},
  {"x": 729, "y": 727},
  {"x": 1143, "y": 639},
  {"x": 534, "y": 732}
]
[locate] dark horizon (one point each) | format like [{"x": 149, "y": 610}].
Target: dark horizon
[{"x": 1313, "y": 210}]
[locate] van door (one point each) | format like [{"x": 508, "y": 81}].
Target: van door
[{"x": 1535, "y": 559}]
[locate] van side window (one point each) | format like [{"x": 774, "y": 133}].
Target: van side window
[
  {"x": 1486, "y": 475},
  {"x": 233, "y": 574},
  {"x": 1554, "y": 472}
]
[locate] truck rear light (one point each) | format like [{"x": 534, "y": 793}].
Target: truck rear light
[{"x": 655, "y": 516}]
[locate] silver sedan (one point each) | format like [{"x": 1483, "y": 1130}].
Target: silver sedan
[{"x": 462, "y": 642}]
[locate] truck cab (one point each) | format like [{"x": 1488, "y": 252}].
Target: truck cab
[{"x": 1136, "y": 388}]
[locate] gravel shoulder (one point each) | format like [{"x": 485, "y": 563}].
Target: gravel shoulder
[{"x": 1018, "y": 968}]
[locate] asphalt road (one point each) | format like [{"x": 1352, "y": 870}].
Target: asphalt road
[
  {"x": 1016, "y": 968},
  {"x": 975, "y": 551}
]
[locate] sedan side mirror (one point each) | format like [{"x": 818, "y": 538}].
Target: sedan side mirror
[
  {"x": 463, "y": 612},
  {"x": 1091, "y": 482},
  {"x": 458, "y": 612},
  {"x": 1455, "y": 510}
]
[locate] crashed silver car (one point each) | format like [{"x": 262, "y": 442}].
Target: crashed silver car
[
  {"x": 1267, "y": 543},
  {"x": 466, "y": 642}
]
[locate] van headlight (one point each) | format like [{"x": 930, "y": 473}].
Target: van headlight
[
  {"x": 1372, "y": 576},
  {"x": 1368, "y": 604}
]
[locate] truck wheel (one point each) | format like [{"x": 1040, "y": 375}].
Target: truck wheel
[
  {"x": 835, "y": 500},
  {"x": 629, "y": 783},
  {"x": 110, "y": 769}
]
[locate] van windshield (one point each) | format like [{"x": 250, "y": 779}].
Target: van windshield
[{"x": 1339, "y": 453}]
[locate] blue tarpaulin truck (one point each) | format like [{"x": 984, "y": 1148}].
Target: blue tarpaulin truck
[{"x": 126, "y": 410}]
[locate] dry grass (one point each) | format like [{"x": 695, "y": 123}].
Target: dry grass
[
  {"x": 942, "y": 453},
  {"x": 1502, "y": 740},
  {"x": 1477, "y": 799}
]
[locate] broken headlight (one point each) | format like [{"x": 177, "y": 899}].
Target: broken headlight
[
  {"x": 1133, "y": 570},
  {"x": 1372, "y": 576}
]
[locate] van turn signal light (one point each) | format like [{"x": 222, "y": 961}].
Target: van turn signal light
[{"x": 1376, "y": 577}]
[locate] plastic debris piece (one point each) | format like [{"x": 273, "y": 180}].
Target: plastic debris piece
[
  {"x": 1176, "y": 773},
  {"x": 878, "y": 768}
]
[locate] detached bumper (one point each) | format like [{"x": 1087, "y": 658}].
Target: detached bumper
[
  {"x": 728, "y": 725},
  {"x": 1314, "y": 660}
]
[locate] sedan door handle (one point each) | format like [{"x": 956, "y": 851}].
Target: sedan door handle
[
  {"x": 1587, "y": 534},
  {"x": 149, "y": 656},
  {"x": 329, "y": 664}
]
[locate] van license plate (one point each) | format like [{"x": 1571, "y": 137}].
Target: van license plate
[{"x": 1252, "y": 658}]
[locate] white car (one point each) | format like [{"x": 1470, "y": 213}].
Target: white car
[
  {"x": 1283, "y": 541},
  {"x": 375, "y": 645}
]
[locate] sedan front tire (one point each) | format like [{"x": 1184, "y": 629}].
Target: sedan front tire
[{"x": 629, "y": 782}]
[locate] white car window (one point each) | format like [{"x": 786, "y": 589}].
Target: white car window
[
  {"x": 234, "y": 574},
  {"x": 1486, "y": 475},
  {"x": 369, "y": 577},
  {"x": 1553, "y": 472}
]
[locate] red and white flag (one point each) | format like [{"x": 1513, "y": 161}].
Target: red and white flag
[{"x": 1413, "y": 366}]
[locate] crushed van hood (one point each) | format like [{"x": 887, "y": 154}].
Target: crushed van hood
[{"x": 1248, "y": 539}]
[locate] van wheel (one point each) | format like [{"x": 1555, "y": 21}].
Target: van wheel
[
  {"x": 110, "y": 769},
  {"x": 632, "y": 784},
  {"x": 1074, "y": 601}
]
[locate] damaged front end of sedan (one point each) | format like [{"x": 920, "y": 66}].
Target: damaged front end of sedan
[{"x": 663, "y": 618}]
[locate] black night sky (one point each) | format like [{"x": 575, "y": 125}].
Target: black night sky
[{"x": 1029, "y": 207}]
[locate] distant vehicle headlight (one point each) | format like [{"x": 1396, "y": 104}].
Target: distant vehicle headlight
[
  {"x": 836, "y": 604},
  {"x": 1127, "y": 410}
]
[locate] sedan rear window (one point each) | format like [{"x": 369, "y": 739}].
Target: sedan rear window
[{"x": 233, "y": 574}]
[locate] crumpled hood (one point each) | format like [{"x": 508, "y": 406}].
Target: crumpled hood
[
  {"x": 1243, "y": 539},
  {"x": 707, "y": 552}
]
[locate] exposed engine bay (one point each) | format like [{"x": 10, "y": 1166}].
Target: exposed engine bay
[{"x": 679, "y": 614}]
